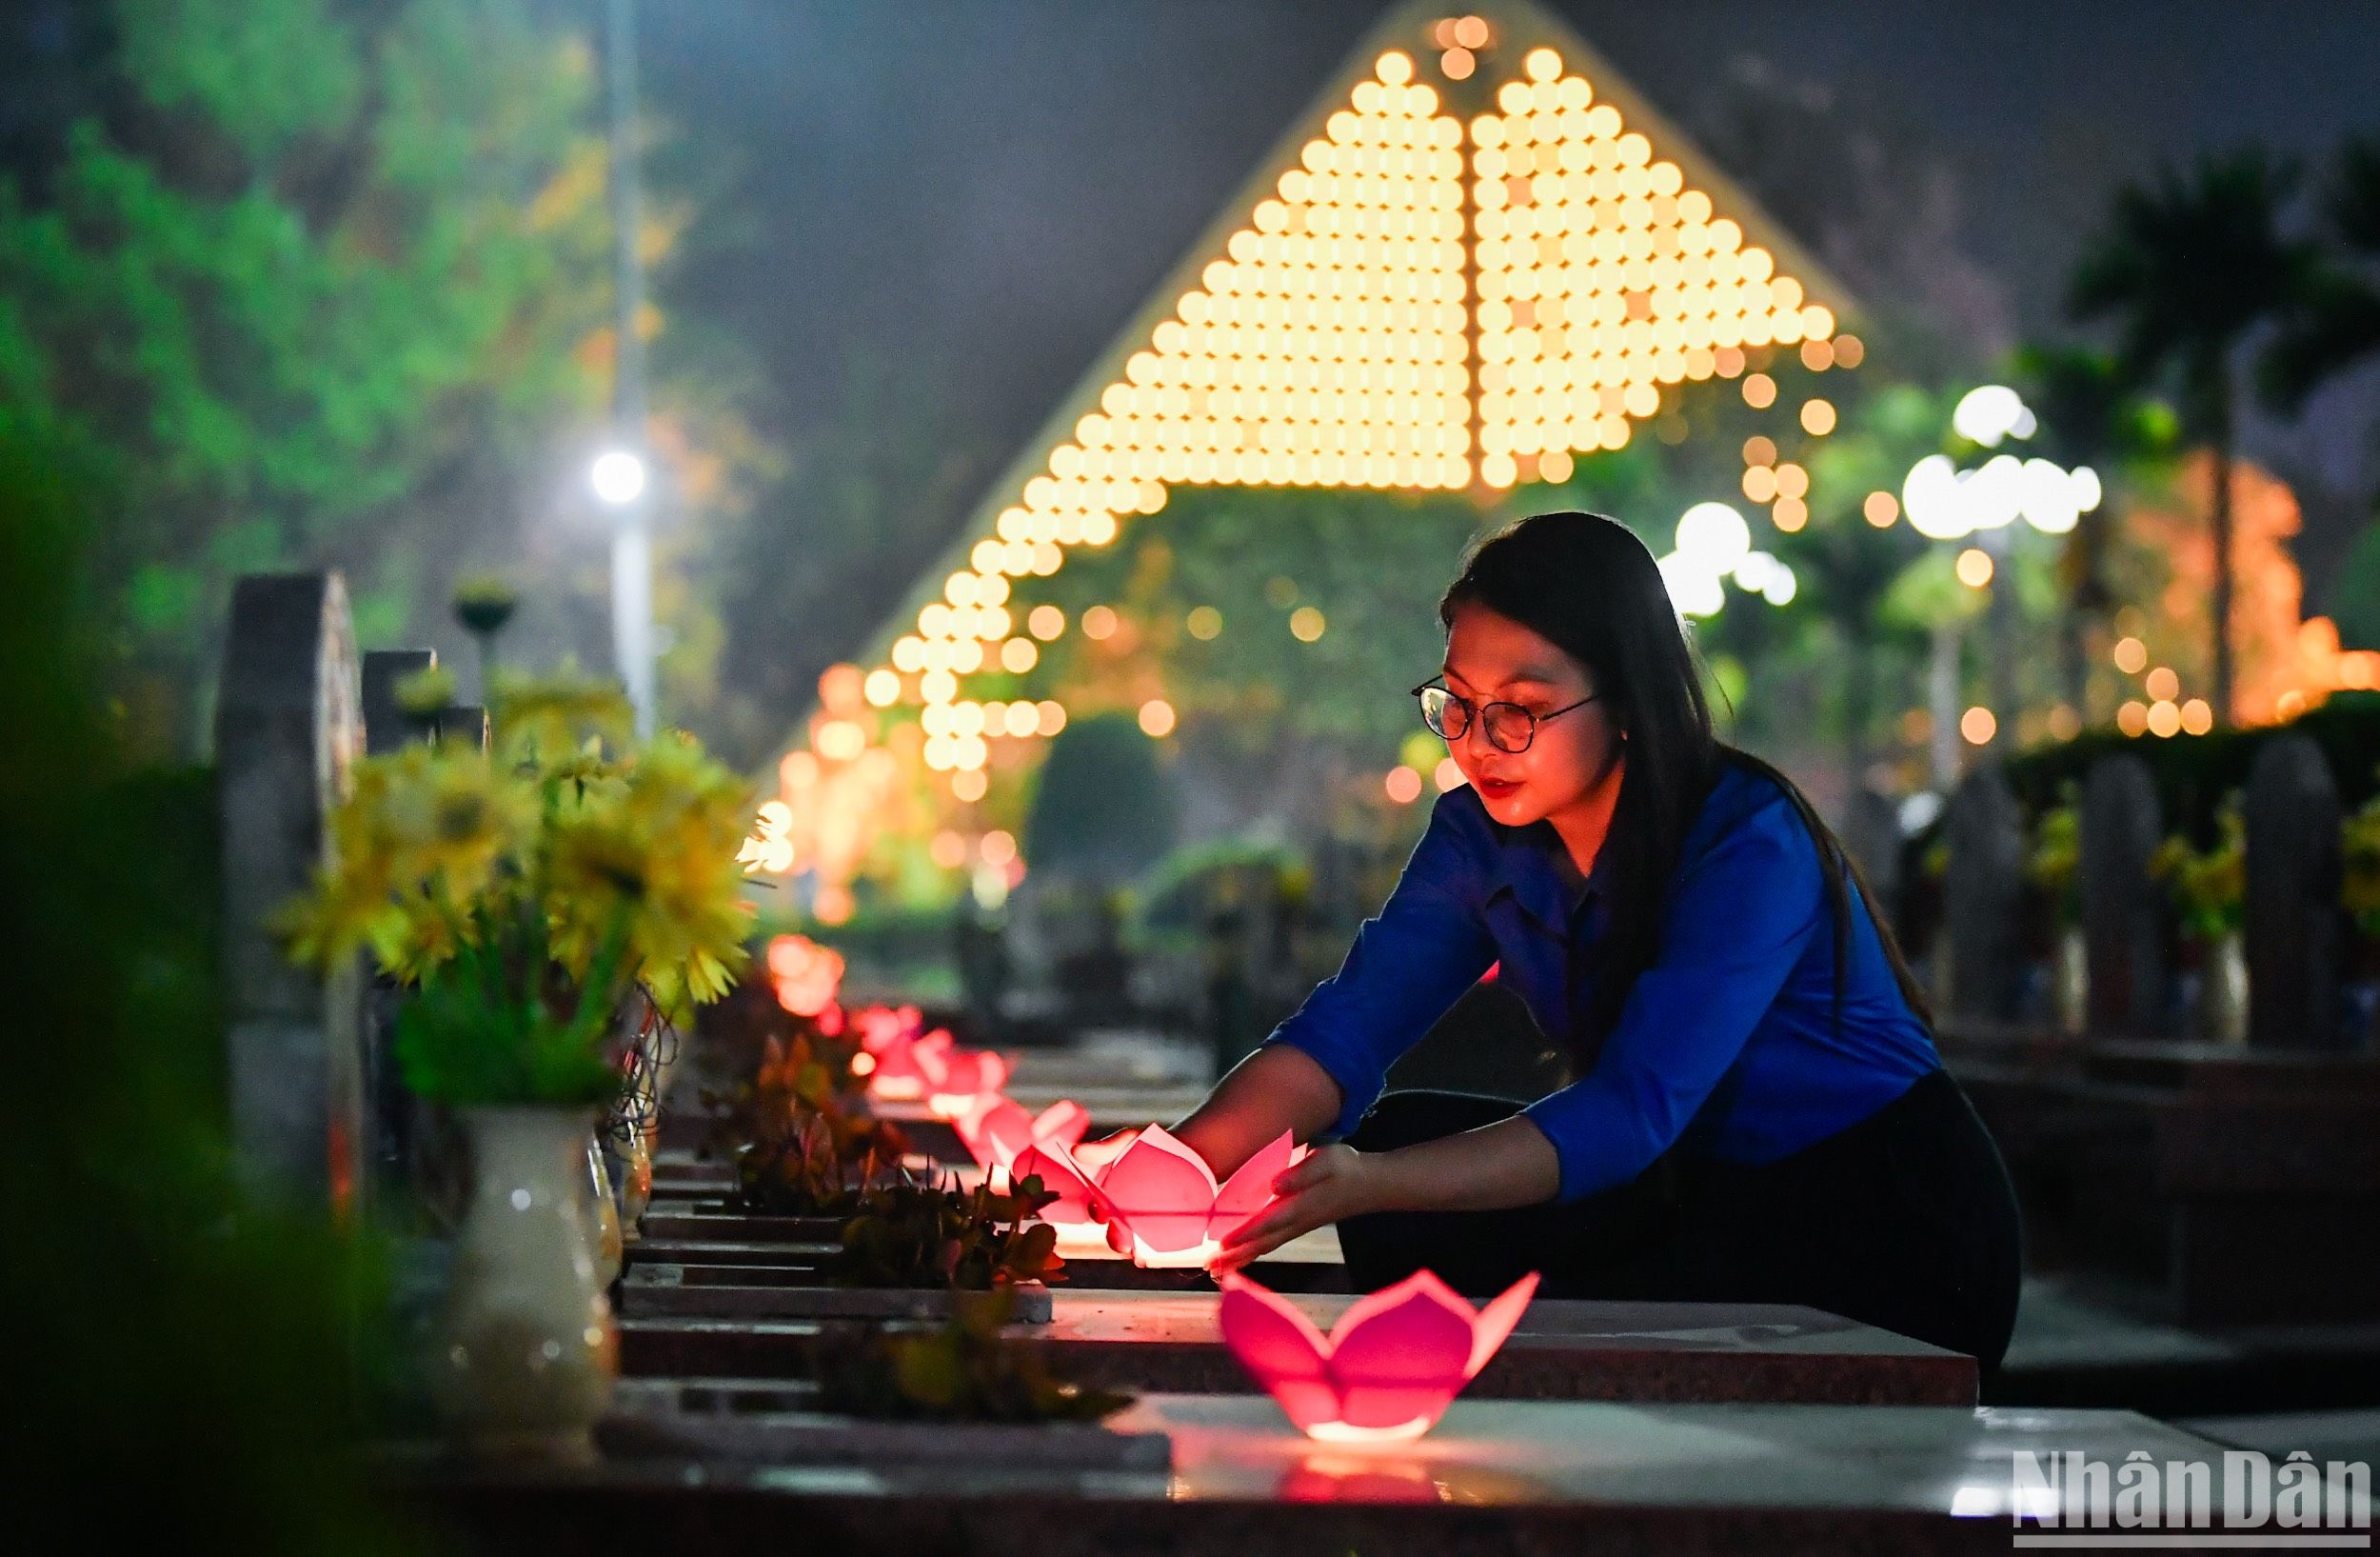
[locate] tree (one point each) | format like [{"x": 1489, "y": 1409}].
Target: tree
[
  {"x": 831, "y": 543},
  {"x": 2192, "y": 266},
  {"x": 306, "y": 269},
  {"x": 2089, "y": 416},
  {"x": 2336, "y": 324}
]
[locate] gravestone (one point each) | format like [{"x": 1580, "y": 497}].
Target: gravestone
[
  {"x": 2292, "y": 915},
  {"x": 463, "y": 722},
  {"x": 2123, "y": 916},
  {"x": 1981, "y": 890},
  {"x": 287, "y": 727},
  {"x": 416, "y": 1154},
  {"x": 1872, "y": 835},
  {"x": 386, "y": 726}
]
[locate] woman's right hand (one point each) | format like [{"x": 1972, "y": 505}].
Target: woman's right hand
[{"x": 1274, "y": 1090}]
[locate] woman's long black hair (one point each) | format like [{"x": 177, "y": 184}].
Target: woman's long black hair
[{"x": 1588, "y": 584}]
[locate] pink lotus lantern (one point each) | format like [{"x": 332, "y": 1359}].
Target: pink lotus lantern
[
  {"x": 957, "y": 1079},
  {"x": 1169, "y": 1205},
  {"x": 903, "y": 1064},
  {"x": 887, "y": 1036},
  {"x": 803, "y": 974},
  {"x": 1389, "y": 1367},
  {"x": 1071, "y": 1173},
  {"x": 997, "y": 1130}
]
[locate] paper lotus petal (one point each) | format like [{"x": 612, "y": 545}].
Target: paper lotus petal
[
  {"x": 996, "y": 1130},
  {"x": 956, "y": 1079},
  {"x": 904, "y": 1063},
  {"x": 1168, "y": 1202},
  {"x": 1389, "y": 1367}
]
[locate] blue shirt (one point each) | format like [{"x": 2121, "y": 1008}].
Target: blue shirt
[{"x": 1727, "y": 1043}]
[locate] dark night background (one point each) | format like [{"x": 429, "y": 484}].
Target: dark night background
[
  {"x": 999, "y": 186},
  {"x": 932, "y": 217}
]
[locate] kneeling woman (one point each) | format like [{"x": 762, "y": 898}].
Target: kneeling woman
[{"x": 1760, "y": 1115}]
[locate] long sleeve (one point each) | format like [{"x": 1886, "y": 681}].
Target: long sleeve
[
  {"x": 1407, "y": 966},
  {"x": 1741, "y": 918}
]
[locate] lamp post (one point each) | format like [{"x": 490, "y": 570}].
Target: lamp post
[
  {"x": 619, "y": 474},
  {"x": 1981, "y": 507}
]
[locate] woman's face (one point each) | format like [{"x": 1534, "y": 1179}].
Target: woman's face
[{"x": 1491, "y": 658}]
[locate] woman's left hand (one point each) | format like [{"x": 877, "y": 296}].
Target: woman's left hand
[{"x": 1333, "y": 1183}]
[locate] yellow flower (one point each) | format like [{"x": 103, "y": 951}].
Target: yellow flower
[{"x": 545, "y": 718}]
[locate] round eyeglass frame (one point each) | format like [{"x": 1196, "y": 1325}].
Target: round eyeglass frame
[{"x": 1434, "y": 710}]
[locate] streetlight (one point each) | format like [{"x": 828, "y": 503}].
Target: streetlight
[
  {"x": 619, "y": 474},
  {"x": 1980, "y": 506}
]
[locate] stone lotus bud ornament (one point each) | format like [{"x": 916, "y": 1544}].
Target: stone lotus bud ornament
[
  {"x": 1389, "y": 1367},
  {"x": 1165, "y": 1198},
  {"x": 997, "y": 1130}
]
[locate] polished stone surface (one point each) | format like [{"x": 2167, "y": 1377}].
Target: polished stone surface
[
  {"x": 1495, "y": 1476},
  {"x": 1561, "y": 1350}
]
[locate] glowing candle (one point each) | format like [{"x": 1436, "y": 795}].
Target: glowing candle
[
  {"x": 1173, "y": 1210},
  {"x": 997, "y": 1130},
  {"x": 1389, "y": 1367}
]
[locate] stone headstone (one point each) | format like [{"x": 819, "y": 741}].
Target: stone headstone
[
  {"x": 399, "y": 1126},
  {"x": 1872, "y": 834},
  {"x": 1981, "y": 890},
  {"x": 386, "y": 726},
  {"x": 287, "y": 727},
  {"x": 2292, "y": 920},
  {"x": 2123, "y": 914},
  {"x": 466, "y": 723}
]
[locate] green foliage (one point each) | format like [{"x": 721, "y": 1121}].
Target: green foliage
[
  {"x": 965, "y": 1370},
  {"x": 491, "y": 1025},
  {"x": 2054, "y": 859},
  {"x": 922, "y": 1235},
  {"x": 2188, "y": 264},
  {"x": 801, "y": 1134},
  {"x": 1103, "y": 808},
  {"x": 2359, "y": 883},
  {"x": 2207, "y": 888},
  {"x": 1373, "y": 563},
  {"x": 2192, "y": 773},
  {"x": 163, "y": 1325},
  {"x": 318, "y": 263},
  {"x": 2358, "y": 593},
  {"x": 2336, "y": 323},
  {"x": 1189, "y": 880},
  {"x": 427, "y": 694}
]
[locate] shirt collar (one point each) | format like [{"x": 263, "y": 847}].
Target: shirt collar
[{"x": 1533, "y": 866}]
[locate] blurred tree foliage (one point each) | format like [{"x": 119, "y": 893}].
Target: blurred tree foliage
[
  {"x": 304, "y": 269},
  {"x": 192, "y": 1365},
  {"x": 1102, "y": 809}
]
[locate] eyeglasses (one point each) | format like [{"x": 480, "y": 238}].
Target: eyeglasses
[{"x": 1510, "y": 726}]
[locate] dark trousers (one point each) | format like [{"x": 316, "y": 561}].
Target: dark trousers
[{"x": 1906, "y": 1221}]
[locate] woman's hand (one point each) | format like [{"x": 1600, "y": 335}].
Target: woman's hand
[{"x": 1335, "y": 1182}]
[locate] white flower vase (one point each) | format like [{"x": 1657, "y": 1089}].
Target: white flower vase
[
  {"x": 2223, "y": 992},
  {"x": 606, "y": 1246},
  {"x": 2071, "y": 988},
  {"x": 526, "y": 1350}
]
